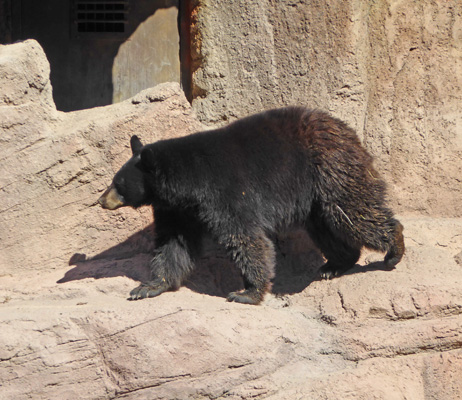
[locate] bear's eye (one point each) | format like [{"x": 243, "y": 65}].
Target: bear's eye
[{"x": 120, "y": 186}]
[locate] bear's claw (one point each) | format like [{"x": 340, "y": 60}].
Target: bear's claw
[
  {"x": 149, "y": 289},
  {"x": 328, "y": 271}
]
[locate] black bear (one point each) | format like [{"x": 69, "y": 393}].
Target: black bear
[{"x": 246, "y": 181}]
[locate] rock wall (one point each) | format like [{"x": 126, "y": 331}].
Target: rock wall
[{"x": 391, "y": 69}]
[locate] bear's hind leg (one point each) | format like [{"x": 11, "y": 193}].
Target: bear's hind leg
[
  {"x": 396, "y": 249},
  {"x": 344, "y": 258},
  {"x": 341, "y": 256},
  {"x": 255, "y": 257}
]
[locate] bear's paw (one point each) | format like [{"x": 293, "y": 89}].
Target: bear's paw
[
  {"x": 149, "y": 289},
  {"x": 245, "y": 297}
]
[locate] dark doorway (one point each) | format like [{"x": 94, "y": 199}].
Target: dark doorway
[{"x": 101, "y": 51}]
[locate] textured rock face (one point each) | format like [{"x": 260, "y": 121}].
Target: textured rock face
[
  {"x": 391, "y": 69},
  {"x": 66, "y": 267}
]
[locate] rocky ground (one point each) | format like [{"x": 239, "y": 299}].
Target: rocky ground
[
  {"x": 66, "y": 267},
  {"x": 371, "y": 334}
]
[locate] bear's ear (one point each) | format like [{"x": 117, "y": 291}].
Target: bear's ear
[
  {"x": 148, "y": 158},
  {"x": 135, "y": 144}
]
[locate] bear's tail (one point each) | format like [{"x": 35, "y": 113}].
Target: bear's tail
[{"x": 396, "y": 250}]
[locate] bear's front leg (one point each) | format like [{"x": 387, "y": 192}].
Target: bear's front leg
[
  {"x": 170, "y": 266},
  {"x": 255, "y": 257}
]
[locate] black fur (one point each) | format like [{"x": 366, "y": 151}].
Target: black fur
[{"x": 245, "y": 181}]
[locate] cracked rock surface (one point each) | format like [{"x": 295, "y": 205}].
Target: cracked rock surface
[{"x": 67, "y": 330}]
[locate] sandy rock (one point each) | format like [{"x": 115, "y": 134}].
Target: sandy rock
[
  {"x": 68, "y": 331},
  {"x": 24, "y": 74}
]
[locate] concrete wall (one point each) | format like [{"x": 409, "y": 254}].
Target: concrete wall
[{"x": 391, "y": 69}]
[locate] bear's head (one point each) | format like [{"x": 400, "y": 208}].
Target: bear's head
[{"x": 128, "y": 187}]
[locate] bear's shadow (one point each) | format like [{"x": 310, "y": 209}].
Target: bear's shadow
[{"x": 297, "y": 264}]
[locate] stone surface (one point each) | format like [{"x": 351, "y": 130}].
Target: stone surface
[
  {"x": 66, "y": 267},
  {"x": 391, "y": 69},
  {"x": 369, "y": 334}
]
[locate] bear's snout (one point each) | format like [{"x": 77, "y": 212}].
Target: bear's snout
[{"x": 111, "y": 199}]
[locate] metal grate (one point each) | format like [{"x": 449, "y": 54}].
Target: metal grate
[{"x": 95, "y": 16}]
